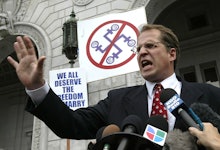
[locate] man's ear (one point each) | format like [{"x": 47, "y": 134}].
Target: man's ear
[{"x": 172, "y": 53}]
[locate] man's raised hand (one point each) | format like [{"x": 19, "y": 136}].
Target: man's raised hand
[{"x": 29, "y": 69}]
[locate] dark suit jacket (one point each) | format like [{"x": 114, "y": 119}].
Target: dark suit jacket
[{"x": 84, "y": 123}]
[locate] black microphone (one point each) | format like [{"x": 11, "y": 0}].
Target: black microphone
[
  {"x": 206, "y": 114},
  {"x": 158, "y": 121},
  {"x": 105, "y": 131},
  {"x": 99, "y": 133},
  {"x": 176, "y": 106},
  {"x": 156, "y": 130},
  {"x": 131, "y": 124}
]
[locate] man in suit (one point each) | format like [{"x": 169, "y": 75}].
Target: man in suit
[{"x": 157, "y": 55}]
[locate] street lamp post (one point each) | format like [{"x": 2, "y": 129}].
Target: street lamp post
[{"x": 70, "y": 42}]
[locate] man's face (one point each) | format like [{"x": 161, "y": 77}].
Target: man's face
[{"x": 154, "y": 59}]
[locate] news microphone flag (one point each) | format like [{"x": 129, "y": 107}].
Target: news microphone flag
[
  {"x": 155, "y": 135},
  {"x": 175, "y": 101}
]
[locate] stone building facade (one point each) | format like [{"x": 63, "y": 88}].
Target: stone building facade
[{"x": 195, "y": 22}]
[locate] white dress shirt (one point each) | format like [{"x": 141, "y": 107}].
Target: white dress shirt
[
  {"x": 38, "y": 95},
  {"x": 170, "y": 82}
]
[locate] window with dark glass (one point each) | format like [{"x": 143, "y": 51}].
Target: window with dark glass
[{"x": 188, "y": 74}]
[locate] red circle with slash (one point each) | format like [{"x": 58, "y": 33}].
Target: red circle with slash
[{"x": 100, "y": 64}]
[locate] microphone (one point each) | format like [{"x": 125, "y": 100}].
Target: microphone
[
  {"x": 105, "y": 131},
  {"x": 206, "y": 114},
  {"x": 176, "y": 106},
  {"x": 156, "y": 129},
  {"x": 179, "y": 140},
  {"x": 131, "y": 124}
]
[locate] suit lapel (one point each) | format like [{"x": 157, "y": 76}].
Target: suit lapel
[
  {"x": 136, "y": 102},
  {"x": 189, "y": 93}
]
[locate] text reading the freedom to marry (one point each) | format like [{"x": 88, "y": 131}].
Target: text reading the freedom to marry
[{"x": 67, "y": 82}]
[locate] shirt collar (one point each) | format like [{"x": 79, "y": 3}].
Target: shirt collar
[{"x": 170, "y": 82}]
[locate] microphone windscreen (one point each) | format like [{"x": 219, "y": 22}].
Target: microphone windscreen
[
  {"x": 179, "y": 140},
  {"x": 166, "y": 94},
  {"x": 159, "y": 122},
  {"x": 112, "y": 128},
  {"x": 206, "y": 114},
  {"x": 106, "y": 130},
  {"x": 134, "y": 122}
]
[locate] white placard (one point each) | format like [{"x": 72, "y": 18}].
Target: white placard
[
  {"x": 71, "y": 86},
  {"x": 106, "y": 44}
]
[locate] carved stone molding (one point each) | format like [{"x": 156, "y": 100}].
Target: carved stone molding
[
  {"x": 17, "y": 7},
  {"x": 21, "y": 10},
  {"x": 82, "y": 2},
  {"x": 36, "y": 134},
  {"x": 39, "y": 37},
  {"x": 10, "y": 12},
  {"x": 139, "y": 3},
  {"x": 42, "y": 42},
  {"x": 36, "y": 33}
]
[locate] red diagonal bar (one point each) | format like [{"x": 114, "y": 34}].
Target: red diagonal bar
[{"x": 112, "y": 43}]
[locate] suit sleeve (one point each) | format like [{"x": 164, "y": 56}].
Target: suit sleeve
[{"x": 82, "y": 123}]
